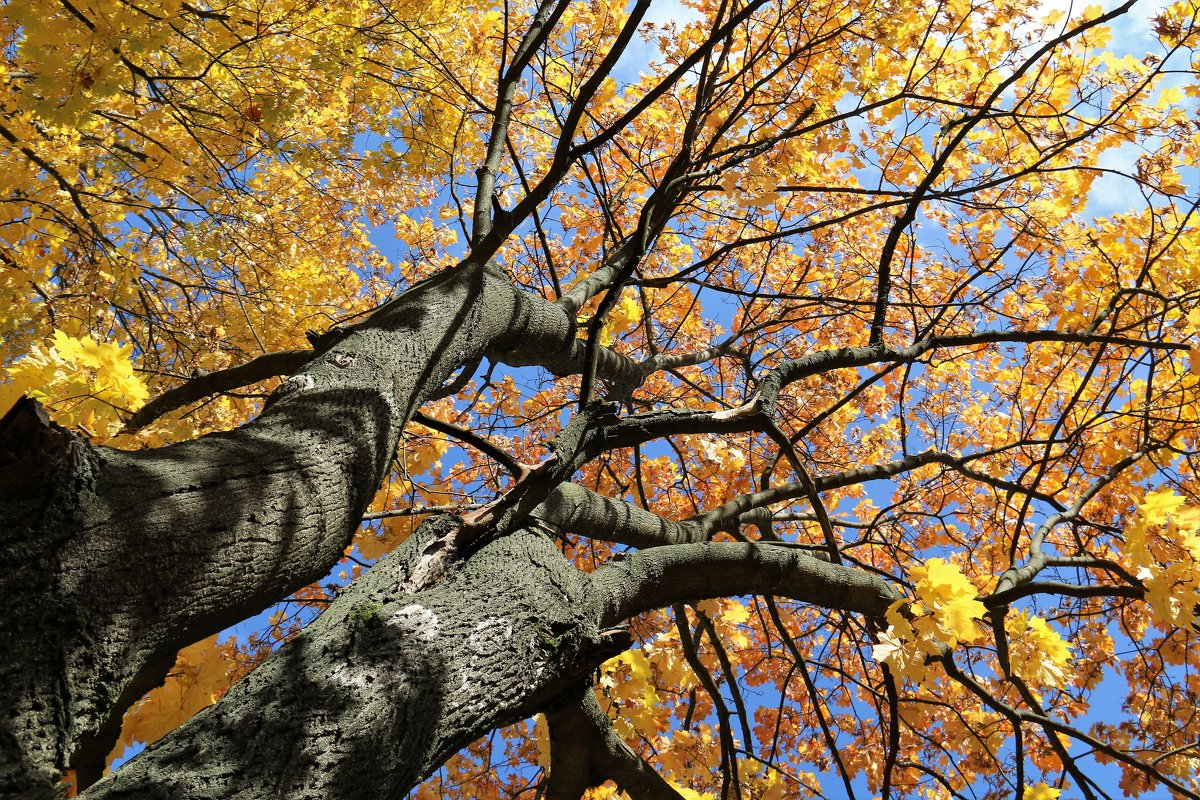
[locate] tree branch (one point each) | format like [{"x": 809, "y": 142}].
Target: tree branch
[
  {"x": 846, "y": 357},
  {"x": 573, "y": 508},
  {"x": 585, "y": 751},
  {"x": 383, "y": 672},
  {"x": 258, "y": 512},
  {"x": 202, "y": 385},
  {"x": 961, "y": 131},
  {"x": 661, "y": 576}
]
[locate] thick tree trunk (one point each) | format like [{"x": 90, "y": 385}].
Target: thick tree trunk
[
  {"x": 392, "y": 680},
  {"x": 386, "y": 685},
  {"x": 114, "y": 560}
]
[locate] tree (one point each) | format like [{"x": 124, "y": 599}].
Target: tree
[{"x": 832, "y": 427}]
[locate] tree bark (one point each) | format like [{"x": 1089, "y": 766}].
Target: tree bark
[
  {"x": 387, "y": 684},
  {"x": 384, "y": 686},
  {"x": 115, "y": 560}
]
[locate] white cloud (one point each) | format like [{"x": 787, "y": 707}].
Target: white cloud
[{"x": 1112, "y": 193}]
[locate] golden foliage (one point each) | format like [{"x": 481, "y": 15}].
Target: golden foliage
[{"x": 189, "y": 186}]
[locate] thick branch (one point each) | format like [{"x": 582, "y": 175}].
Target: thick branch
[
  {"x": 133, "y": 555},
  {"x": 385, "y": 686},
  {"x": 621, "y": 372},
  {"x": 585, "y": 751},
  {"x": 657, "y": 578},
  {"x": 578, "y": 510},
  {"x": 573, "y": 508},
  {"x": 677, "y": 360}
]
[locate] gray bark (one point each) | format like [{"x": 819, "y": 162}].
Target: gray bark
[
  {"x": 114, "y": 560},
  {"x": 384, "y": 686},
  {"x": 586, "y": 751},
  {"x": 387, "y": 684}
]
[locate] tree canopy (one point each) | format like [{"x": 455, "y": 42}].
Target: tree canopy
[{"x": 736, "y": 399}]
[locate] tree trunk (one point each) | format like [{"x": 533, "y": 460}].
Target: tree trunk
[
  {"x": 385, "y": 685},
  {"x": 115, "y": 560}
]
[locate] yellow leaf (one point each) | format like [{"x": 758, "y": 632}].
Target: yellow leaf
[
  {"x": 736, "y": 613},
  {"x": 957, "y": 619},
  {"x": 904, "y": 658},
  {"x": 80, "y": 381},
  {"x": 1169, "y": 96},
  {"x": 1041, "y": 791},
  {"x": 639, "y": 665},
  {"x": 1036, "y": 652},
  {"x": 1159, "y": 504},
  {"x": 1173, "y": 592},
  {"x": 950, "y": 596},
  {"x": 623, "y": 317},
  {"x": 689, "y": 793}
]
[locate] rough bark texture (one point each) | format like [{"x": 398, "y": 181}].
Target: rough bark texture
[
  {"x": 114, "y": 560},
  {"x": 40, "y": 464},
  {"x": 586, "y": 752},
  {"x": 656, "y": 578},
  {"x": 385, "y": 686}
]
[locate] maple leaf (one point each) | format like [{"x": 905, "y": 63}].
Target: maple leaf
[
  {"x": 950, "y": 596},
  {"x": 958, "y": 619},
  {"x": 624, "y": 316},
  {"x": 1041, "y": 791},
  {"x": 905, "y": 658},
  {"x": 1159, "y": 504},
  {"x": 691, "y": 794},
  {"x": 82, "y": 381},
  {"x": 1037, "y": 652}
]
